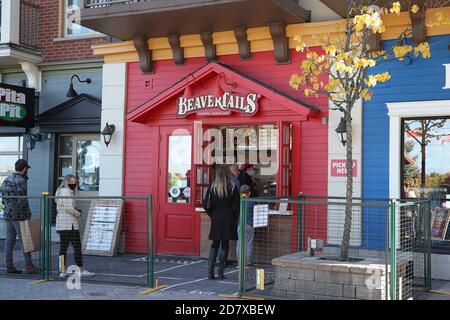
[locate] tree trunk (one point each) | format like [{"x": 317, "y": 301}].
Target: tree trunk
[
  {"x": 349, "y": 197},
  {"x": 423, "y": 174}
]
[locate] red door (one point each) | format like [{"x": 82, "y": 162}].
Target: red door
[{"x": 178, "y": 224}]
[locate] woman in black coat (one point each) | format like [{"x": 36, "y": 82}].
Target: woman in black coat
[{"x": 222, "y": 205}]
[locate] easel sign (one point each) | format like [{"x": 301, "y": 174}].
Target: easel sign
[{"x": 103, "y": 224}]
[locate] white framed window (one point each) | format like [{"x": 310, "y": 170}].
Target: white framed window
[
  {"x": 80, "y": 155},
  {"x": 71, "y": 18}
]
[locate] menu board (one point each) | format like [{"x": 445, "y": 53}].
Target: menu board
[
  {"x": 102, "y": 227},
  {"x": 440, "y": 223},
  {"x": 268, "y": 138},
  {"x": 260, "y": 216}
]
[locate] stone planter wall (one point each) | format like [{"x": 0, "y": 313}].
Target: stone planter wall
[{"x": 300, "y": 277}]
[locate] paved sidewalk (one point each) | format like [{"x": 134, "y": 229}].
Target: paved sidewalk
[
  {"x": 21, "y": 289},
  {"x": 440, "y": 291}
]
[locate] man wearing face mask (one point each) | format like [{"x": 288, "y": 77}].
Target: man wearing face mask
[{"x": 16, "y": 209}]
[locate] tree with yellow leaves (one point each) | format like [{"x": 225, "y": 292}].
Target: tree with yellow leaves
[{"x": 346, "y": 58}]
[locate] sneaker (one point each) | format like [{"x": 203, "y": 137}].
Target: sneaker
[
  {"x": 31, "y": 269},
  {"x": 86, "y": 273},
  {"x": 13, "y": 270}
]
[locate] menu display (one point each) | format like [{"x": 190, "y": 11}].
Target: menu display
[
  {"x": 102, "y": 227},
  {"x": 439, "y": 226}
]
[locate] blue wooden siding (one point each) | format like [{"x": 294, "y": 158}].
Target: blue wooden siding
[{"x": 419, "y": 81}]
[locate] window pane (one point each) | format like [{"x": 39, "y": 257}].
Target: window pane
[
  {"x": 179, "y": 168},
  {"x": 65, "y": 146},
  {"x": 65, "y": 167},
  {"x": 10, "y": 144},
  {"x": 88, "y": 164},
  {"x": 73, "y": 18},
  {"x": 7, "y": 163}
]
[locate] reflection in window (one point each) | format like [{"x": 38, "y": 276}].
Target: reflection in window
[
  {"x": 179, "y": 169},
  {"x": 10, "y": 152},
  {"x": 88, "y": 164},
  {"x": 72, "y": 19},
  {"x": 426, "y": 169},
  {"x": 81, "y": 157}
]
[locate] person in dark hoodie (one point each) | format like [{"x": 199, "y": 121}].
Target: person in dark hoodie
[{"x": 17, "y": 209}]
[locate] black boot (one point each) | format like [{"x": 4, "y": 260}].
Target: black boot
[
  {"x": 212, "y": 263},
  {"x": 223, "y": 263}
]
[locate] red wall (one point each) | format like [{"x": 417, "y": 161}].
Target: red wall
[{"x": 140, "y": 164}]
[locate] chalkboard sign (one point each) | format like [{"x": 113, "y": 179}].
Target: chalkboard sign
[
  {"x": 102, "y": 227},
  {"x": 440, "y": 222}
]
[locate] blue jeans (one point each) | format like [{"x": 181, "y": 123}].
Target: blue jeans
[
  {"x": 12, "y": 231},
  {"x": 249, "y": 235}
]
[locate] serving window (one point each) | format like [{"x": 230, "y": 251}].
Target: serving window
[{"x": 259, "y": 145}]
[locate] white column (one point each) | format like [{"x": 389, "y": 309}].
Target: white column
[
  {"x": 337, "y": 185},
  {"x": 10, "y": 28},
  {"x": 113, "y": 112},
  {"x": 394, "y": 156}
]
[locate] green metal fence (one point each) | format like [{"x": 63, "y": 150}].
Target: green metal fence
[
  {"x": 115, "y": 233},
  {"x": 297, "y": 241}
]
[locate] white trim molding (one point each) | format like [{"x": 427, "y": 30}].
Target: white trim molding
[
  {"x": 397, "y": 111},
  {"x": 34, "y": 75}
]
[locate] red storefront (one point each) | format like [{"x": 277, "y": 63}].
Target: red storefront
[{"x": 173, "y": 114}]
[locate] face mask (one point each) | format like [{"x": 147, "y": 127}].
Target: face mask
[
  {"x": 72, "y": 186},
  {"x": 251, "y": 173}
]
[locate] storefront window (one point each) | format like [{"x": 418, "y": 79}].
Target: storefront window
[
  {"x": 179, "y": 169},
  {"x": 80, "y": 156},
  {"x": 426, "y": 169},
  {"x": 10, "y": 152}
]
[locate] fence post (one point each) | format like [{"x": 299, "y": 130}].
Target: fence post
[
  {"x": 241, "y": 258},
  {"x": 428, "y": 244},
  {"x": 299, "y": 222},
  {"x": 393, "y": 286},
  {"x": 150, "y": 265},
  {"x": 42, "y": 252},
  {"x": 46, "y": 241}
]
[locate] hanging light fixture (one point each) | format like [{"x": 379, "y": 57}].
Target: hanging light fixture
[
  {"x": 71, "y": 93},
  {"x": 31, "y": 139},
  {"x": 107, "y": 133},
  {"x": 341, "y": 131}
]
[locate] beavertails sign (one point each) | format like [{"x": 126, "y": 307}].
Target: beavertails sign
[
  {"x": 208, "y": 105},
  {"x": 16, "y": 106}
]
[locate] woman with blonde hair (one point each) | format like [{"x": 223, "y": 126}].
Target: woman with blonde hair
[
  {"x": 67, "y": 222},
  {"x": 221, "y": 203}
]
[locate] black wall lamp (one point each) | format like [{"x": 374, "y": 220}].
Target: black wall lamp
[
  {"x": 71, "y": 93},
  {"x": 108, "y": 132},
  {"x": 341, "y": 131},
  {"x": 31, "y": 139}
]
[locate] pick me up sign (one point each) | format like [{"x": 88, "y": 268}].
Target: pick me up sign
[{"x": 16, "y": 106}]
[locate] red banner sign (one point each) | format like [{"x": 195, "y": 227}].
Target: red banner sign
[{"x": 338, "y": 168}]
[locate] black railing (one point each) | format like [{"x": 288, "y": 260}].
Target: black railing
[{"x": 29, "y": 23}]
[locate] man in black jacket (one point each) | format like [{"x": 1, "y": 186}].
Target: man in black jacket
[{"x": 16, "y": 210}]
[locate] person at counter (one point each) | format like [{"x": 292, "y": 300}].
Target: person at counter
[{"x": 246, "y": 177}]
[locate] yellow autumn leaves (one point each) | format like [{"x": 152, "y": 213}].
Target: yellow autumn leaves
[
  {"x": 402, "y": 51},
  {"x": 346, "y": 66}
]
